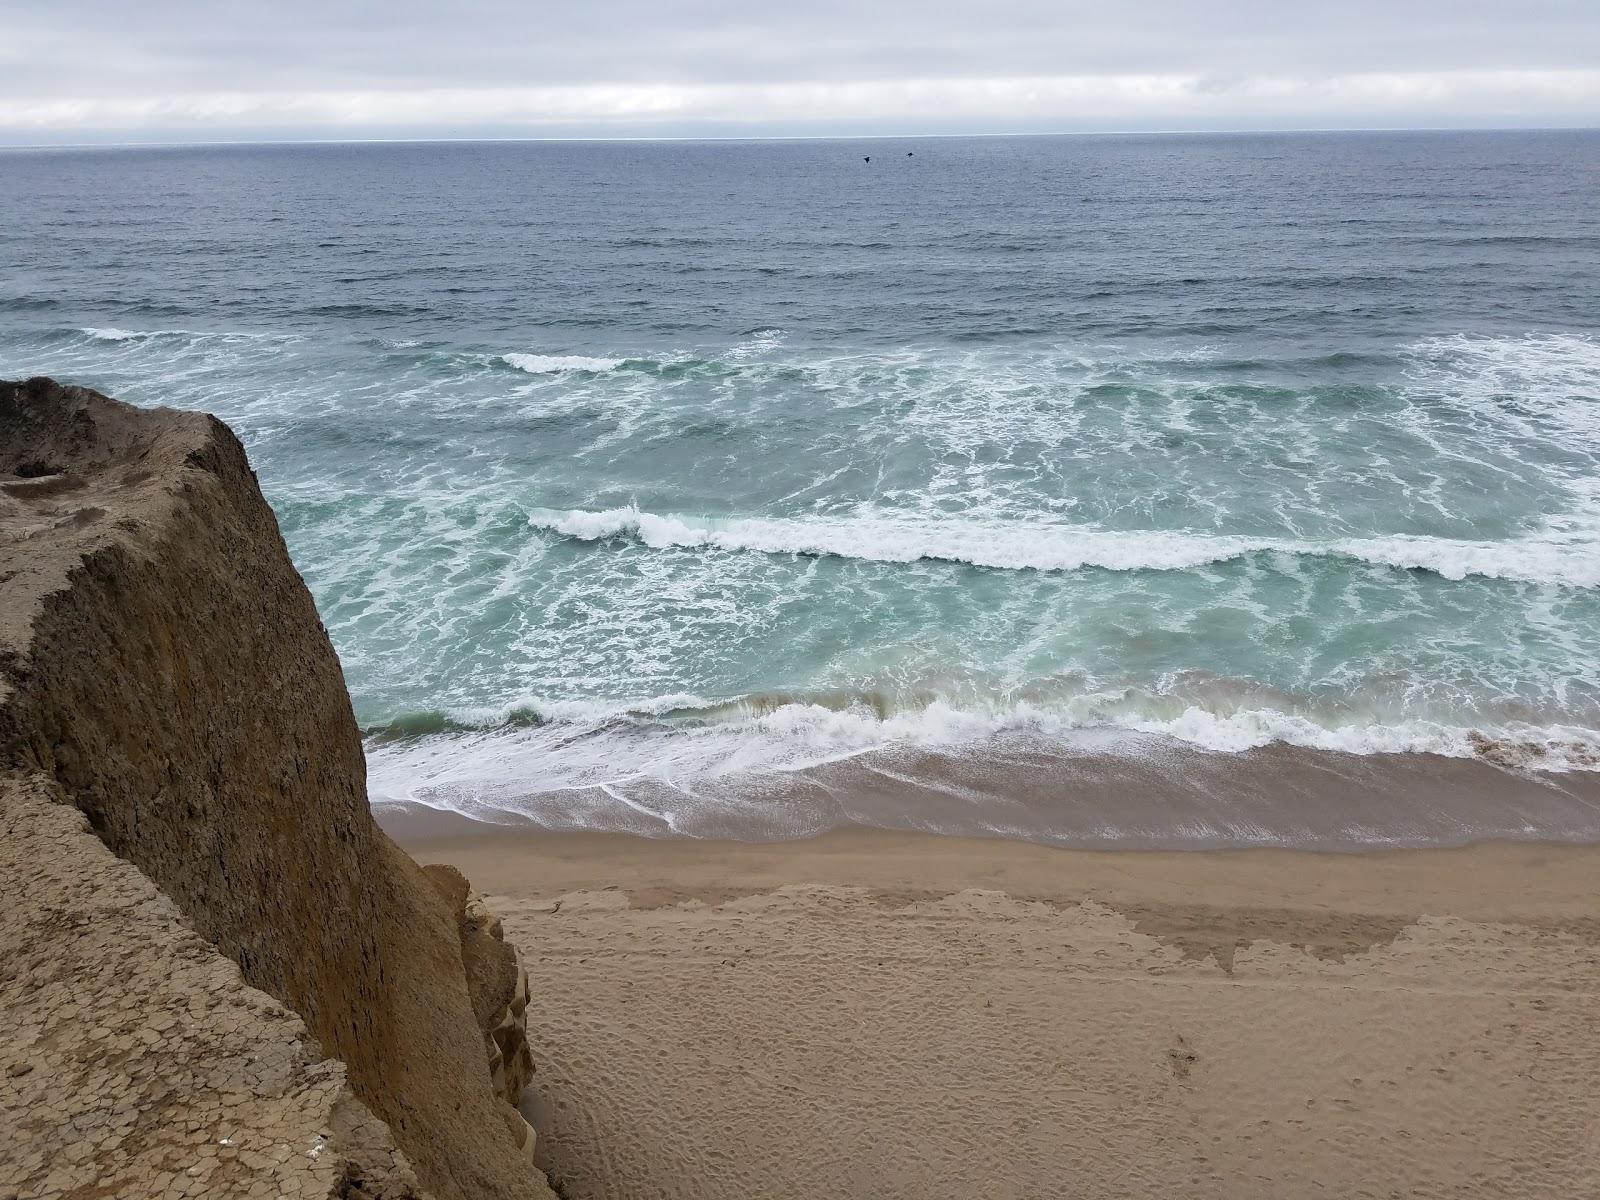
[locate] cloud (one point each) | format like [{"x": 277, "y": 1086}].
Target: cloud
[
  {"x": 638, "y": 67},
  {"x": 1071, "y": 100}
]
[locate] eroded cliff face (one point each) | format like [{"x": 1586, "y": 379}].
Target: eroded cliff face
[{"x": 163, "y": 670}]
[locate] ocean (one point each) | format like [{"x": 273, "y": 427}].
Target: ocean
[{"x": 706, "y": 487}]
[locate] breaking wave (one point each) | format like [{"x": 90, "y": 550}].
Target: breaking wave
[
  {"x": 554, "y": 364},
  {"x": 112, "y": 334},
  {"x": 1572, "y": 560},
  {"x": 514, "y": 762}
]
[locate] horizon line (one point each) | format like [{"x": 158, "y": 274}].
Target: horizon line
[{"x": 791, "y": 137}]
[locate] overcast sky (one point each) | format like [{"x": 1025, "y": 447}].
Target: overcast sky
[{"x": 115, "y": 70}]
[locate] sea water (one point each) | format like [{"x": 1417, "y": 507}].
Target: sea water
[{"x": 668, "y": 469}]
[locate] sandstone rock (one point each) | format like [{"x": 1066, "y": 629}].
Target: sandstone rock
[
  {"x": 496, "y": 981},
  {"x": 163, "y": 671}
]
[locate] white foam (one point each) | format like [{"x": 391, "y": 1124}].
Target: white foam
[
  {"x": 554, "y": 364},
  {"x": 135, "y": 335},
  {"x": 596, "y": 746},
  {"x": 758, "y": 342},
  {"x": 1538, "y": 383},
  {"x": 1572, "y": 560}
]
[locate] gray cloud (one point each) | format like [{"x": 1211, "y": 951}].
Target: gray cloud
[{"x": 78, "y": 68}]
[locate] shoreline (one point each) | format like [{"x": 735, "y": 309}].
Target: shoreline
[
  {"x": 1120, "y": 971},
  {"x": 1152, "y": 794},
  {"x": 952, "y": 1017}
]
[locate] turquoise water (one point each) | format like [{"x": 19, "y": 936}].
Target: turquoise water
[{"x": 613, "y": 465}]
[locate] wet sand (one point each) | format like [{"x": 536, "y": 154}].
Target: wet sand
[
  {"x": 1101, "y": 788},
  {"x": 885, "y": 1014}
]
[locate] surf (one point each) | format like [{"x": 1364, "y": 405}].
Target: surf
[{"x": 1029, "y": 546}]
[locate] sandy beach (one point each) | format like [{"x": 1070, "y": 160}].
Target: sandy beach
[{"x": 876, "y": 1014}]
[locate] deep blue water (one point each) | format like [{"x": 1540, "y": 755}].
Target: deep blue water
[{"x": 621, "y": 462}]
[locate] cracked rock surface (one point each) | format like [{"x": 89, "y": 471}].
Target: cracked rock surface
[{"x": 137, "y": 1061}]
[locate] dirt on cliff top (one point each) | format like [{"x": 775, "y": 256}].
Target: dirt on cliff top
[{"x": 76, "y": 472}]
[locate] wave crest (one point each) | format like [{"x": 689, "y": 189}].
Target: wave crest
[
  {"x": 112, "y": 334},
  {"x": 555, "y": 364},
  {"x": 1042, "y": 546}
]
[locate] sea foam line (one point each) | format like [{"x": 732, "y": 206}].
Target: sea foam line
[
  {"x": 111, "y": 334},
  {"x": 1573, "y": 561},
  {"x": 619, "y": 747}
]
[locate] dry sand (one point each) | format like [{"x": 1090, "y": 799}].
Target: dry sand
[{"x": 899, "y": 1015}]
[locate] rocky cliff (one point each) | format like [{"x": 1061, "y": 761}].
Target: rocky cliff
[{"x": 217, "y": 975}]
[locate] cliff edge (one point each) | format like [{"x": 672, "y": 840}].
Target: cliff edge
[{"x": 218, "y": 976}]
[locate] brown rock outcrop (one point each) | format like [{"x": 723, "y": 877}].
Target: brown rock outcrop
[
  {"x": 498, "y": 986},
  {"x": 163, "y": 670}
]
